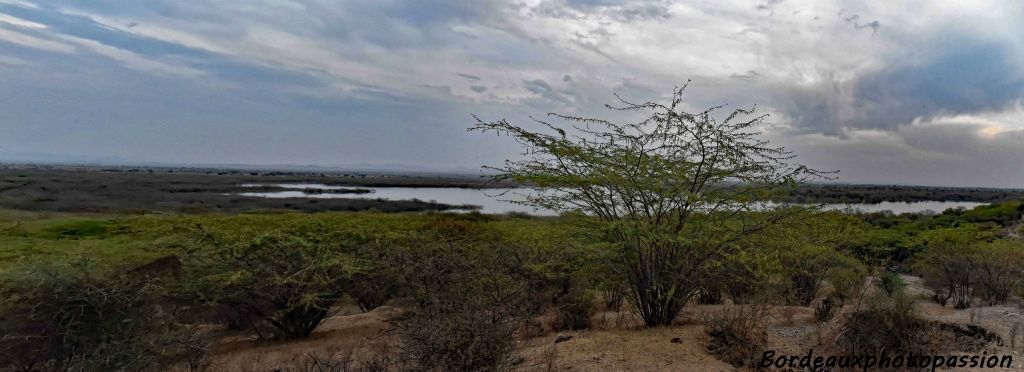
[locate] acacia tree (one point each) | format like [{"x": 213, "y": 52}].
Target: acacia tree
[{"x": 674, "y": 191}]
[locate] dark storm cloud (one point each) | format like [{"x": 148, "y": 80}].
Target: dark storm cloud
[{"x": 954, "y": 76}]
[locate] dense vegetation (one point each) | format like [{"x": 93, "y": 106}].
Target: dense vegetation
[{"x": 278, "y": 275}]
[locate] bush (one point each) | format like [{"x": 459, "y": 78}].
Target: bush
[
  {"x": 808, "y": 268},
  {"x": 288, "y": 280},
  {"x": 961, "y": 264},
  {"x": 372, "y": 290},
  {"x": 826, "y": 309},
  {"x": 1000, "y": 270},
  {"x": 72, "y": 317},
  {"x": 379, "y": 279},
  {"x": 947, "y": 263},
  {"x": 890, "y": 324},
  {"x": 709, "y": 296},
  {"x": 574, "y": 310},
  {"x": 737, "y": 333},
  {"x": 890, "y": 283},
  {"x": 847, "y": 278},
  {"x": 466, "y": 307},
  {"x": 613, "y": 298}
]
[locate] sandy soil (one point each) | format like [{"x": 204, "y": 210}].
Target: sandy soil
[{"x": 616, "y": 342}]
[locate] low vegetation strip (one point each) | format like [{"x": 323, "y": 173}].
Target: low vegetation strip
[{"x": 97, "y": 190}]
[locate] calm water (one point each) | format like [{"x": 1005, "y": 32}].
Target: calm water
[
  {"x": 490, "y": 200},
  {"x": 497, "y": 200}
]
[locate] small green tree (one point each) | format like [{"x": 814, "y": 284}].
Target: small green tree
[
  {"x": 674, "y": 192},
  {"x": 288, "y": 278},
  {"x": 949, "y": 264}
]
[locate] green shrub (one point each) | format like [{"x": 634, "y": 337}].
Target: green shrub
[
  {"x": 574, "y": 310},
  {"x": 808, "y": 268},
  {"x": 948, "y": 264},
  {"x": 288, "y": 278},
  {"x": 999, "y": 270},
  {"x": 889, "y": 324},
  {"x": 81, "y": 230},
  {"x": 890, "y": 283},
  {"x": 75, "y": 317},
  {"x": 379, "y": 278}
]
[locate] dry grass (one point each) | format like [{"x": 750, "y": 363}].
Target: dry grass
[{"x": 616, "y": 342}]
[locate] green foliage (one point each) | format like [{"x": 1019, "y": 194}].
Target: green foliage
[
  {"x": 806, "y": 254},
  {"x": 290, "y": 268},
  {"x": 947, "y": 264},
  {"x": 890, "y": 283},
  {"x": 889, "y": 324},
  {"x": 61, "y": 317},
  {"x": 1000, "y": 270},
  {"x": 809, "y": 267},
  {"x": 288, "y": 277},
  {"x": 894, "y": 239},
  {"x": 574, "y": 309},
  {"x": 961, "y": 264},
  {"x": 1003, "y": 214},
  {"x": 81, "y": 229},
  {"x": 672, "y": 192}
]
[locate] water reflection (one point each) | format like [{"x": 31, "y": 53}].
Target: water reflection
[{"x": 497, "y": 201}]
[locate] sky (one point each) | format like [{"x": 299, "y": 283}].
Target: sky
[{"x": 907, "y": 92}]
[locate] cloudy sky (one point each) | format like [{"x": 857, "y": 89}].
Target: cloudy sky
[{"x": 902, "y": 92}]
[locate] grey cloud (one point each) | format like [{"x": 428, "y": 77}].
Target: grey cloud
[
  {"x": 769, "y": 6},
  {"x": 855, "y": 20},
  {"x": 478, "y": 88},
  {"x": 469, "y": 77},
  {"x": 933, "y": 154},
  {"x": 545, "y": 90},
  {"x": 538, "y": 86},
  {"x": 749, "y": 75},
  {"x": 956, "y": 76},
  {"x": 873, "y": 25},
  {"x": 621, "y": 10}
]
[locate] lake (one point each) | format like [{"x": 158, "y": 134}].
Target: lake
[{"x": 496, "y": 201}]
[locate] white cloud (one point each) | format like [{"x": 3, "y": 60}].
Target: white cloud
[
  {"x": 867, "y": 86},
  {"x": 132, "y": 60},
  {"x": 19, "y": 22},
  {"x": 15, "y": 37}
]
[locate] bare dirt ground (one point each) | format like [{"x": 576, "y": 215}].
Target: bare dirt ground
[{"x": 615, "y": 342}]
